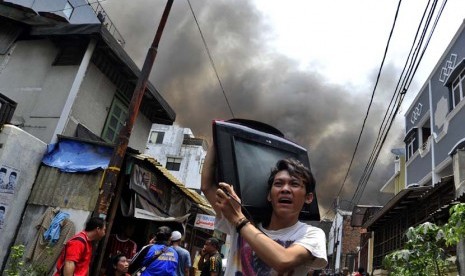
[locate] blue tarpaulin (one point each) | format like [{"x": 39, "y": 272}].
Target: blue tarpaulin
[{"x": 76, "y": 156}]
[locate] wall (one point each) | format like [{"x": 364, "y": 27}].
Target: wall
[
  {"x": 192, "y": 155},
  {"x": 20, "y": 152},
  {"x": 447, "y": 126},
  {"x": 39, "y": 88},
  {"x": 92, "y": 105},
  {"x": 83, "y": 13}
]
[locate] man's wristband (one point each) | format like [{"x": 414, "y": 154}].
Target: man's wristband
[{"x": 243, "y": 222}]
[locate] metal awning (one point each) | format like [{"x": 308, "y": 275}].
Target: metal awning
[
  {"x": 197, "y": 199},
  {"x": 405, "y": 198}
]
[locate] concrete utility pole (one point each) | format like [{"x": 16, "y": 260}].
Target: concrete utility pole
[{"x": 110, "y": 175}]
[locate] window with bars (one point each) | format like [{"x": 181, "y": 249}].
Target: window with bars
[
  {"x": 173, "y": 163},
  {"x": 115, "y": 120},
  {"x": 458, "y": 89},
  {"x": 156, "y": 137}
]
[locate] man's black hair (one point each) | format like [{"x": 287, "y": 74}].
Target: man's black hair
[
  {"x": 215, "y": 242},
  {"x": 115, "y": 259},
  {"x": 94, "y": 223},
  {"x": 296, "y": 169},
  {"x": 2, "y": 207},
  {"x": 3, "y": 170},
  {"x": 163, "y": 234},
  {"x": 13, "y": 173}
]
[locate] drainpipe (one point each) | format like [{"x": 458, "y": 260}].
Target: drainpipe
[
  {"x": 64, "y": 117},
  {"x": 434, "y": 176}
]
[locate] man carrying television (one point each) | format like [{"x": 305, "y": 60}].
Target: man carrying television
[{"x": 285, "y": 246}]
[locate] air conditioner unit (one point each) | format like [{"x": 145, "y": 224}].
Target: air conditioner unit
[{"x": 7, "y": 109}]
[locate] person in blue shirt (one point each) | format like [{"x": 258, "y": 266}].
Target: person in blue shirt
[
  {"x": 166, "y": 260},
  {"x": 184, "y": 262}
]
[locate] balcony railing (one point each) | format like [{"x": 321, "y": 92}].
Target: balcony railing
[{"x": 106, "y": 21}]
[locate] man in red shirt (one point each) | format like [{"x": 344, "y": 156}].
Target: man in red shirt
[{"x": 77, "y": 253}]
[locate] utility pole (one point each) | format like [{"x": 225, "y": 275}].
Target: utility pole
[{"x": 110, "y": 175}]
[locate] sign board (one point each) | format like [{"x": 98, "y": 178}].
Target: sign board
[{"x": 205, "y": 221}]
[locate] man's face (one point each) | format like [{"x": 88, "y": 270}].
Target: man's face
[
  {"x": 2, "y": 212},
  {"x": 101, "y": 232},
  {"x": 209, "y": 247},
  {"x": 122, "y": 265},
  {"x": 12, "y": 178},
  {"x": 2, "y": 175},
  {"x": 288, "y": 194}
]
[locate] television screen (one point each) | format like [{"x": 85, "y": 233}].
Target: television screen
[{"x": 246, "y": 153}]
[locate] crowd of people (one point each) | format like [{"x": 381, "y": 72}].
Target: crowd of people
[
  {"x": 163, "y": 255},
  {"x": 281, "y": 246}
]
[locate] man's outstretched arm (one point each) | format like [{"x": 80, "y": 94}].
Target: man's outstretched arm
[{"x": 208, "y": 183}]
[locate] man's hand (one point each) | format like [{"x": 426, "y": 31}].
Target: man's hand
[{"x": 229, "y": 203}]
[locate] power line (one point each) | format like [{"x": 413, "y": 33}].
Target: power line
[
  {"x": 407, "y": 80},
  {"x": 399, "y": 97},
  {"x": 211, "y": 59},
  {"x": 371, "y": 99}
]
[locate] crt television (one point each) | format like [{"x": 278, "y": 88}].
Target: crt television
[{"x": 246, "y": 152}]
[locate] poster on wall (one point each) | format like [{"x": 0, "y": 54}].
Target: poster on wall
[
  {"x": 146, "y": 184},
  {"x": 3, "y": 208},
  {"x": 8, "y": 179}
]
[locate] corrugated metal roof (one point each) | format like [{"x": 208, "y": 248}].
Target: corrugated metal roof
[
  {"x": 405, "y": 197},
  {"x": 194, "y": 196}
]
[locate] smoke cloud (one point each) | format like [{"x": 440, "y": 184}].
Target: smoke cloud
[{"x": 261, "y": 84}]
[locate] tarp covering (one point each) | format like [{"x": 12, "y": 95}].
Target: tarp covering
[
  {"x": 141, "y": 208},
  {"x": 75, "y": 156}
]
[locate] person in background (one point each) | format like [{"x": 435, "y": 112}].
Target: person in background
[
  {"x": 184, "y": 258},
  {"x": 210, "y": 263},
  {"x": 166, "y": 260},
  {"x": 75, "y": 257},
  {"x": 284, "y": 245},
  {"x": 195, "y": 264},
  {"x": 345, "y": 271},
  {"x": 119, "y": 267},
  {"x": 120, "y": 243},
  {"x": 360, "y": 272}
]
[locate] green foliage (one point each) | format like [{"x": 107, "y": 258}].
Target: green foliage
[
  {"x": 454, "y": 229},
  {"x": 17, "y": 266},
  {"x": 424, "y": 253}
]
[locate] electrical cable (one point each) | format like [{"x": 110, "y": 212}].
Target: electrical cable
[
  {"x": 372, "y": 97},
  {"x": 211, "y": 59},
  {"x": 401, "y": 94},
  {"x": 368, "y": 167}
]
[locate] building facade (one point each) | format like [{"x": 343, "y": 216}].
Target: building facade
[
  {"x": 71, "y": 79},
  {"x": 434, "y": 157},
  {"x": 343, "y": 242},
  {"x": 180, "y": 152}
]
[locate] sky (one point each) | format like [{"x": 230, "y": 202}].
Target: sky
[{"x": 305, "y": 67}]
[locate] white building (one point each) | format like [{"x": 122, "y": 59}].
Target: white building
[{"x": 179, "y": 151}]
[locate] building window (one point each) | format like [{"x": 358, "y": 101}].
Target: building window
[
  {"x": 156, "y": 137},
  {"x": 201, "y": 165},
  {"x": 68, "y": 10},
  {"x": 411, "y": 142},
  {"x": 458, "y": 87},
  {"x": 115, "y": 120},
  {"x": 173, "y": 163}
]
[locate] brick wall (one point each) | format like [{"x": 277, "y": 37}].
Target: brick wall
[{"x": 350, "y": 242}]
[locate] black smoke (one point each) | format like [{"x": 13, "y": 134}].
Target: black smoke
[{"x": 263, "y": 85}]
